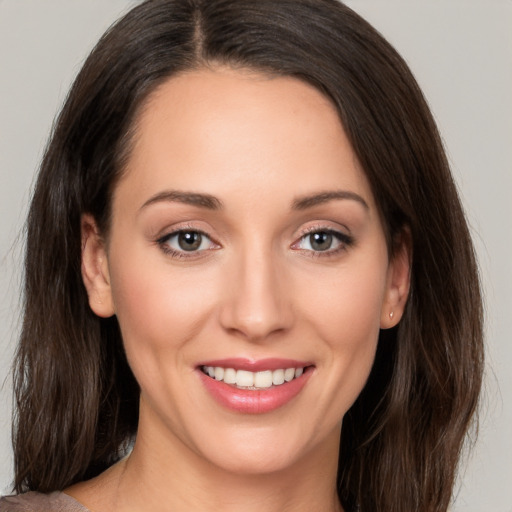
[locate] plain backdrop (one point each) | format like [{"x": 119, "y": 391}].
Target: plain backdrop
[{"x": 461, "y": 54}]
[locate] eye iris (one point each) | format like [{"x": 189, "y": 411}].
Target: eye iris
[
  {"x": 320, "y": 241},
  {"x": 189, "y": 240}
]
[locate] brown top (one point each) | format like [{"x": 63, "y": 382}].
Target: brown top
[{"x": 37, "y": 502}]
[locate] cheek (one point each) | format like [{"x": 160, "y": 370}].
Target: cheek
[
  {"x": 347, "y": 307},
  {"x": 158, "y": 311},
  {"x": 345, "y": 314}
]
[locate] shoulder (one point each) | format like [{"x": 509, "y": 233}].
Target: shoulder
[{"x": 37, "y": 502}]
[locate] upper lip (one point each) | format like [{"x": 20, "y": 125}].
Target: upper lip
[{"x": 256, "y": 365}]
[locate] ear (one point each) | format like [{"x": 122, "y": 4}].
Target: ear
[
  {"x": 398, "y": 281},
  {"x": 95, "y": 272}
]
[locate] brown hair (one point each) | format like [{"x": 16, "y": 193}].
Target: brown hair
[{"x": 77, "y": 400}]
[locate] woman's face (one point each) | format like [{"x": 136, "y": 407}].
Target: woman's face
[{"x": 245, "y": 244}]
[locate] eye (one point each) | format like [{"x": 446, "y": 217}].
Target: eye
[
  {"x": 323, "y": 240},
  {"x": 186, "y": 241}
]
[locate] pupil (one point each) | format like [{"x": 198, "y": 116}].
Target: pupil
[
  {"x": 189, "y": 241},
  {"x": 321, "y": 241}
]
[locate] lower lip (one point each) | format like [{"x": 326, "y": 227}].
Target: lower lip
[{"x": 254, "y": 401}]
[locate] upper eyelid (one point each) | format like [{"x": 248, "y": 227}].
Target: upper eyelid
[
  {"x": 338, "y": 234},
  {"x": 171, "y": 230},
  {"x": 343, "y": 231}
]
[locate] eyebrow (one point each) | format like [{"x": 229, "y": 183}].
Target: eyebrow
[
  {"x": 305, "y": 202},
  {"x": 193, "y": 198},
  {"x": 212, "y": 203}
]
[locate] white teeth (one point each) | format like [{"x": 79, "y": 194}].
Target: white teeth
[
  {"x": 244, "y": 379},
  {"x": 289, "y": 374},
  {"x": 263, "y": 379},
  {"x": 230, "y": 376},
  {"x": 277, "y": 377},
  {"x": 255, "y": 380}
]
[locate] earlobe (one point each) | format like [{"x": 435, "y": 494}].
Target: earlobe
[
  {"x": 95, "y": 272},
  {"x": 398, "y": 281}
]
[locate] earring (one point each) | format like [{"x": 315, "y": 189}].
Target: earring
[{"x": 391, "y": 314}]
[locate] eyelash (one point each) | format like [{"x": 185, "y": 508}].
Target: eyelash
[
  {"x": 163, "y": 243},
  {"x": 345, "y": 241}
]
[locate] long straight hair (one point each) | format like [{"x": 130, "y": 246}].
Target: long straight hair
[{"x": 76, "y": 397}]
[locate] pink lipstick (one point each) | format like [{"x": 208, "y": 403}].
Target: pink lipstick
[{"x": 254, "y": 387}]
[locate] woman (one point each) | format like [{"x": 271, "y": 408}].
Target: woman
[{"x": 247, "y": 257}]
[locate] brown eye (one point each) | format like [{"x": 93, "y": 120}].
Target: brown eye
[
  {"x": 189, "y": 240},
  {"x": 324, "y": 241},
  {"x": 320, "y": 241},
  {"x": 186, "y": 241}
]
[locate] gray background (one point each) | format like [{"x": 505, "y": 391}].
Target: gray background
[{"x": 461, "y": 53}]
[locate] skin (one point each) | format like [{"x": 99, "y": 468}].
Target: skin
[{"x": 256, "y": 288}]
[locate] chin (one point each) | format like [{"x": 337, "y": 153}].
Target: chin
[
  {"x": 253, "y": 462},
  {"x": 267, "y": 450}
]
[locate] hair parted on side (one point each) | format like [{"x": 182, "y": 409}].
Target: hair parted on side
[{"x": 76, "y": 398}]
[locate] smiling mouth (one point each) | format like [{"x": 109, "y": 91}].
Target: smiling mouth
[{"x": 244, "y": 379}]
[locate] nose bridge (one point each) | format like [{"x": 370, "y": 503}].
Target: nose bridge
[{"x": 257, "y": 304}]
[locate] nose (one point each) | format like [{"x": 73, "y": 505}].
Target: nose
[{"x": 257, "y": 301}]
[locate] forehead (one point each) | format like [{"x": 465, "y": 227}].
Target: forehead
[{"x": 213, "y": 128}]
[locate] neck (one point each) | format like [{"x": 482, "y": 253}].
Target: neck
[{"x": 278, "y": 492}]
